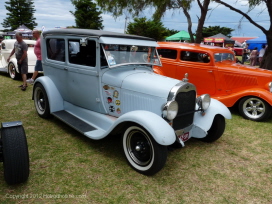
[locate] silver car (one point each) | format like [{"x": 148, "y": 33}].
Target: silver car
[{"x": 102, "y": 83}]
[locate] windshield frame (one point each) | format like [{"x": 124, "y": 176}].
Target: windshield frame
[
  {"x": 223, "y": 56},
  {"x": 125, "y": 52}
]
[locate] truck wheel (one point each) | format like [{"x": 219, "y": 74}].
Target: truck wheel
[
  {"x": 217, "y": 129},
  {"x": 15, "y": 155},
  {"x": 12, "y": 71},
  {"x": 142, "y": 152},
  {"x": 41, "y": 101},
  {"x": 253, "y": 108}
]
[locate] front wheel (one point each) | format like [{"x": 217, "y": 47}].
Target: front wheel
[
  {"x": 253, "y": 108},
  {"x": 143, "y": 153},
  {"x": 15, "y": 155},
  {"x": 12, "y": 71},
  {"x": 41, "y": 101},
  {"x": 217, "y": 129}
]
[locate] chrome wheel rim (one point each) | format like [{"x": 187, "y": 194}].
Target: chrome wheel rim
[
  {"x": 254, "y": 108},
  {"x": 12, "y": 70}
]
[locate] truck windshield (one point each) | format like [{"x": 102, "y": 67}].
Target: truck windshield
[
  {"x": 219, "y": 57},
  {"x": 116, "y": 55}
]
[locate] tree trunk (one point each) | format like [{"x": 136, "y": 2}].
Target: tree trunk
[
  {"x": 204, "y": 9},
  {"x": 267, "y": 58},
  {"x": 185, "y": 11}
]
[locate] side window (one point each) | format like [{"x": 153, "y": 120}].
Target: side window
[
  {"x": 82, "y": 55},
  {"x": 56, "y": 49},
  {"x": 167, "y": 53},
  {"x": 195, "y": 57}
]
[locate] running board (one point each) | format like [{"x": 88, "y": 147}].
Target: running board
[{"x": 73, "y": 121}]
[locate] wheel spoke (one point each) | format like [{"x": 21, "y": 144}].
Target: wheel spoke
[
  {"x": 248, "y": 109},
  {"x": 260, "y": 109},
  {"x": 255, "y": 113},
  {"x": 258, "y": 103}
]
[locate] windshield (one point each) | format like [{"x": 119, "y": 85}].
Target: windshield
[
  {"x": 116, "y": 55},
  {"x": 219, "y": 57}
]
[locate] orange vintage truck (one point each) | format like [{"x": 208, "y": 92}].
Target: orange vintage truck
[{"x": 214, "y": 71}]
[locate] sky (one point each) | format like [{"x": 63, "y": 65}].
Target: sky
[{"x": 56, "y": 13}]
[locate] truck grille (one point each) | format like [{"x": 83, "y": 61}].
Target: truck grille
[{"x": 186, "y": 103}]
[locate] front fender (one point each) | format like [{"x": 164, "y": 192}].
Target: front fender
[
  {"x": 216, "y": 107},
  {"x": 54, "y": 97},
  {"x": 158, "y": 128},
  {"x": 231, "y": 99}
]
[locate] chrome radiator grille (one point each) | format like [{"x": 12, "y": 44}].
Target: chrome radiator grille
[{"x": 186, "y": 103}]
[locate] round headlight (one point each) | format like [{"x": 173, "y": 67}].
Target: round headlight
[
  {"x": 170, "y": 110},
  {"x": 204, "y": 101}
]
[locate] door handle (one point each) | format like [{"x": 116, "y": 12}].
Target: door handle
[{"x": 210, "y": 71}]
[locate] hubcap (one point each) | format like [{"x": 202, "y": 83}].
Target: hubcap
[
  {"x": 254, "y": 108},
  {"x": 139, "y": 147},
  {"x": 40, "y": 100}
]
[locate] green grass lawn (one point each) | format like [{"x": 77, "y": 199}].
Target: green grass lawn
[{"x": 66, "y": 167}]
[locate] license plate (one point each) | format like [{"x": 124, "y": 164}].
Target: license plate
[{"x": 184, "y": 137}]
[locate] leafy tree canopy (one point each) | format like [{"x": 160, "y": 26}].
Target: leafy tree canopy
[
  {"x": 87, "y": 15},
  {"x": 213, "y": 30},
  {"x": 147, "y": 28},
  {"x": 267, "y": 58},
  {"x": 134, "y": 7},
  {"x": 20, "y": 13}
]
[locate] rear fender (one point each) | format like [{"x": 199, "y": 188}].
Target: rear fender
[{"x": 54, "y": 97}]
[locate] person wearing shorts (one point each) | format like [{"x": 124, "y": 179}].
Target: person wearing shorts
[
  {"x": 37, "y": 51},
  {"x": 20, "y": 50}
]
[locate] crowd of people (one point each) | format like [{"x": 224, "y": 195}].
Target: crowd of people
[{"x": 255, "y": 56}]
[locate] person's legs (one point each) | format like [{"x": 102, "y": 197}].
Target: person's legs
[
  {"x": 38, "y": 67},
  {"x": 251, "y": 61},
  {"x": 24, "y": 70}
]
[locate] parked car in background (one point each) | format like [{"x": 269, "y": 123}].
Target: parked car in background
[
  {"x": 102, "y": 83},
  {"x": 238, "y": 50},
  {"x": 11, "y": 66},
  {"x": 214, "y": 71}
]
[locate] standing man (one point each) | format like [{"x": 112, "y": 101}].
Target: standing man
[
  {"x": 37, "y": 50},
  {"x": 244, "y": 55},
  {"x": 20, "y": 50}
]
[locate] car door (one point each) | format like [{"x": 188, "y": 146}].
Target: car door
[
  {"x": 83, "y": 82},
  {"x": 200, "y": 68}
]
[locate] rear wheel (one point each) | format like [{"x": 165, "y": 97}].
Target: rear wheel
[
  {"x": 143, "y": 153},
  {"x": 41, "y": 101},
  {"x": 15, "y": 155},
  {"x": 12, "y": 71},
  {"x": 254, "y": 108}
]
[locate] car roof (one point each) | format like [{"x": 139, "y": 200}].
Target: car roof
[
  {"x": 95, "y": 33},
  {"x": 12, "y": 41},
  {"x": 194, "y": 46}
]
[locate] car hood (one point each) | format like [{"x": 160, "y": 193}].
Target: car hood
[
  {"x": 246, "y": 68},
  {"x": 140, "y": 80}
]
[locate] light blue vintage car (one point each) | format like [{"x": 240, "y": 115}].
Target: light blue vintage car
[{"x": 102, "y": 83}]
